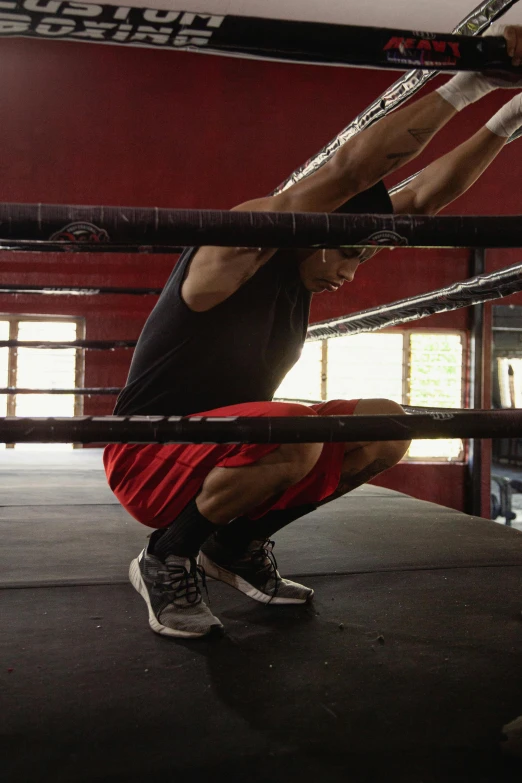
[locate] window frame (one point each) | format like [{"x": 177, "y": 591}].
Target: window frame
[
  {"x": 406, "y": 378},
  {"x": 465, "y": 387},
  {"x": 14, "y": 319}
]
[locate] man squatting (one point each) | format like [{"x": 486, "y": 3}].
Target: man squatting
[{"x": 228, "y": 326}]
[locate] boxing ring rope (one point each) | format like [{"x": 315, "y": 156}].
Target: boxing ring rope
[
  {"x": 340, "y": 44},
  {"x": 290, "y": 40},
  {"x": 71, "y": 290},
  {"x": 82, "y": 391},
  {"x": 93, "y": 345},
  {"x": 294, "y": 429},
  {"x": 33, "y": 246},
  {"x": 139, "y": 229}
]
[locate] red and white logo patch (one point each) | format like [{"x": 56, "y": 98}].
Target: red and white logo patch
[{"x": 80, "y": 232}]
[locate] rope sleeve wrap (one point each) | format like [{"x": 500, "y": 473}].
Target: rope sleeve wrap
[
  {"x": 138, "y": 228},
  {"x": 298, "y": 429}
]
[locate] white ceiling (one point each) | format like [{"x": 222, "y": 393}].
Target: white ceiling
[{"x": 431, "y": 15}]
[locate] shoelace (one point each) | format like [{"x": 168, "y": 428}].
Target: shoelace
[
  {"x": 183, "y": 583},
  {"x": 264, "y": 555}
]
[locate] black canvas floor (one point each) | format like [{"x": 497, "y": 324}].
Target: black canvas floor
[{"x": 406, "y": 667}]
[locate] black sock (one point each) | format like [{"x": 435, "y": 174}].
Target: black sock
[
  {"x": 238, "y": 534},
  {"x": 184, "y": 536}
]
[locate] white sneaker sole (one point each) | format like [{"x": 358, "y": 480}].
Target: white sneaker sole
[
  {"x": 216, "y": 572},
  {"x": 137, "y": 582}
]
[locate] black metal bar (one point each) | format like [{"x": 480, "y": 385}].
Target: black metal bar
[
  {"x": 482, "y": 288},
  {"x": 71, "y": 290},
  {"x": 168, "y": 227},
  {"x": 474, "y": 466},
  {"x": 299, "y": 429}
]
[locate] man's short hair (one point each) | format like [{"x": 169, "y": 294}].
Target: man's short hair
[{"x": 375, "y": 200}]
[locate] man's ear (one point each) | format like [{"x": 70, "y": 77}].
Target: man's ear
[{"x": 368, "y": 252}]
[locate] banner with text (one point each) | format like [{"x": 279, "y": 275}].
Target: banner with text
[{"x": 250, "y": 36}]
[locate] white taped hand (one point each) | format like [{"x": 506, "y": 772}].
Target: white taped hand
[
  {"x": 508, "y": 119},
  {"x": 466, "y": 88}
]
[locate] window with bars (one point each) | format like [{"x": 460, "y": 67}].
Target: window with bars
[
  {"x": 411, "y": 367},
  {"x": 41, "y": 368}
]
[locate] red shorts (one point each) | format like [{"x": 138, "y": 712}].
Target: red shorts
[{"x": 154, "y": 482}]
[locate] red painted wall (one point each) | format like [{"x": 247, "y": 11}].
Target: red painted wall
[{"x": 91, "y": 124}]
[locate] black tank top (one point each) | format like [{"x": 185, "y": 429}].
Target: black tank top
[{"x": 239, "y": 351}]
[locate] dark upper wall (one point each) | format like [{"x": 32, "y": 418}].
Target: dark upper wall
[
  {"x": 89, "y": 123},
  {"x": 92, "y": 124}
]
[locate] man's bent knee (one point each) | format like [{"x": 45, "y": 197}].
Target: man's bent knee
[
  {"x": 391, "y": 451},
  {"x": 377, "y": 406},
  {"x": 296, "y": 460}
]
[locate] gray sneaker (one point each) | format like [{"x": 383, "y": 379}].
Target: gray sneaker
[
  {"x": 172, "y": 593},
  {"x": 253, "y": 573}
]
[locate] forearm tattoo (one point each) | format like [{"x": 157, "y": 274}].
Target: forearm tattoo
[
  {"x": 397, "y": 159},
  {"x": 349, "y": 481},
  {"x": 421, "y": 135},
  {"x": 400, "y": 155}
]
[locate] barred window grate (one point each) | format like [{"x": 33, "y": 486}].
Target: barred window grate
[
  {"x": 411, "y": 367},
  {"x": 435, "y": 378},
  {"x": 40, "y": 368}
]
